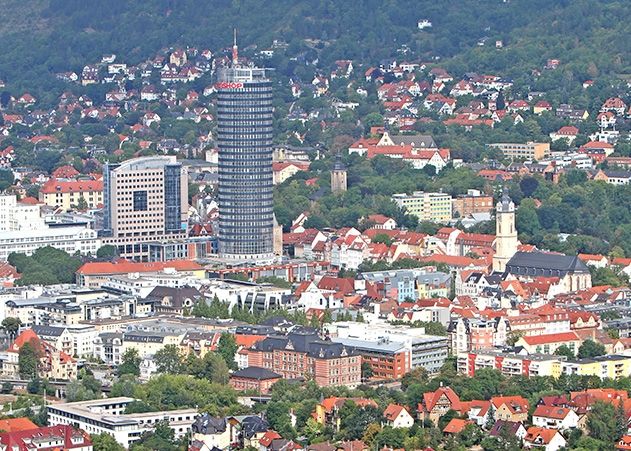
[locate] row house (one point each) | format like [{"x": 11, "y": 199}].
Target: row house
[
  {"x": 53, "y": 363},
  {"x": 349, "y": 252},
  {"x": 472, "y": 334}
]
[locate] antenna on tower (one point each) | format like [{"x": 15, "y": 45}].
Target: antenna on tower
[{"x": 235, "y": 49}]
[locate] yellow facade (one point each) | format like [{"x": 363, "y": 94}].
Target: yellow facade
[
  {"x": 68, "y": 200},
  {"x": 435, "y": 207}
]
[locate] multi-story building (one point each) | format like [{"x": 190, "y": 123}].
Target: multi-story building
[
  {"x": 299, "y": 355},
  {"x": 68, "y": 194},
  {"x": 434, "y": 207},
  {"x": 244, "y": 136},
  {"x": 527, "y": 151},
  {"x": 411, "y": 284},
  {"x": 387, "y": 359},
  {"x": 16, "y": 215},
  {"x": 107, "y": 416},
  {"x": 471, "y": 334},
  {"x": 473, "y": 202},
  {"x": 509, "y": 364},
  {"x": 425, "y": 351},
  {"x": 145, "y": 200},
  {"x": 70, "y": 239},
  {"x": 513, "y": 364},
  {"x": 94, "y": 274}
]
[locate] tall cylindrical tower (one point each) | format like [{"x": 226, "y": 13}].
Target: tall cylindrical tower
[{"x": 246, "y": 209}]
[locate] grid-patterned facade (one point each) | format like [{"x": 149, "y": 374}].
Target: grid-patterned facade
[
  {"x": 244, "y": 119},
  {"x": 145, "y": 201}
]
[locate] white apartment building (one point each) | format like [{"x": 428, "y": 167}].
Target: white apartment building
[
  {"x": 108, "y": 416},
  {"x": 69, "y": 239},
  {"x": 15, "y": 215}
]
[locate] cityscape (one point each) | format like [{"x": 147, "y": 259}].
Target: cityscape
[{"x": 326, "y": 227}]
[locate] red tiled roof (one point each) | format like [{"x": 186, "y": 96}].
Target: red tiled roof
[
  {"x": 57, "y": 186},
  {"x": 17, "y": 424},
  {"x": 551, "y": 338},
  {"x": 22, "y": 440},
  {"x": 431, "y": 398},
  {"x": 248, "y": 341},
  {"x": 124, "y": 267},
  {"x": 546, "y": 434},
  {"x": 456, "y": 425},
  {"x": 557, "y": 413},
  {"x": 65, "y": 172},
  {"x": 393, "y": 411}
]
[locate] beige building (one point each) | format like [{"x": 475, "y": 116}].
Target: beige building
[
  {"x": 473, "y": 202},
  {"x": 68, "y": 194},
  {"x": 527, "y": 151},
  {"x": 339, "y": 182},
  {"x": 145, "y": 201},
  {"x": 435, "y": 207},
  {"x": 506, "y": 240}
]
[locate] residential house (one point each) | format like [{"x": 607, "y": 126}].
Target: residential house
[
  {"x": 398, "y": 416},
  {"x": 436, "y": 404},
  {"x": 542, "y": 438},
  {"x": 553, "y": 417},
  {"x": 510, "y": 408},
  {"x": 503, "y": 428}
]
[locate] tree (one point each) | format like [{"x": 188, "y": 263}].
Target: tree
[
  {"x": 11, "y": 326},
  {"x": 227, "y": 349},
  {"x": 105, "y": 442},
  {"x": 382, "y": 238},
  {"x": 601, "y": 422},
  {"x": 6, "y": 179},
  {"x": 566, "y": 351},
  {"x": 130, "y": 363},
  {"x": 367, "y": 371},
  {"x": 108, "y": 252},
  {"x": 168, "y": 359},
  {"x": 528, "y": 186},
  {"x": 590, "y": 349},
  {"x": 28, "y": 361},
  {"x": 7, "y": 387},
  {"x": 490, "y": 417},
  {"x": 82, "y": 204}
]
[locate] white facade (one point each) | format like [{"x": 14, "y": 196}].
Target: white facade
[
  {"x": 17, "y": 216},
  {"x": 69, "y": 239},
  {"x": 107, "y": 416},
  {"x": 568, "y": 419}
]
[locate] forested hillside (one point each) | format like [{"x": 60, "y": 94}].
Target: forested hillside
[{"x": 40, "y": 38}]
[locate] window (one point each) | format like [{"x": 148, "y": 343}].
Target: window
[{"x": 140, "y": 200}]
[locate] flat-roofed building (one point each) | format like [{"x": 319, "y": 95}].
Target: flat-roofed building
[
  {"x": 145, "y": 200},
  {"x": 435, "y": 207},
  {"x": 472, "y": 202},
  {"x": 523, "y": 151},
  {"x": 70, "y": 239},
  {"x": 108, "y": 416}
]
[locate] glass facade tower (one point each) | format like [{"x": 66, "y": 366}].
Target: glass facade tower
[{"x": 244, "y": 120}]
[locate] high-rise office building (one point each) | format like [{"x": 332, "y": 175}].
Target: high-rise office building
[
  {"x": 244, "y": 119},
  {"x": 145, "y": 201}
]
